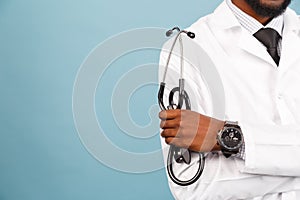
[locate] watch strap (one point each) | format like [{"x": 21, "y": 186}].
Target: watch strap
[
  {"x": 227, "y": 154},
  {"x": 232, "y": 123}
]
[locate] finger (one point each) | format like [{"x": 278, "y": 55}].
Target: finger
[
  {"x": 169, "y": 124},
  {"x": 169, "y": 114},
  {"x": 178, "y": 142},
  {"x": 169, "y": 133},
  {"x": 172, "y": 141}
]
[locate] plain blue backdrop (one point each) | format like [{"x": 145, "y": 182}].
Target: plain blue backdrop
[{"x": 42, "y": 45}]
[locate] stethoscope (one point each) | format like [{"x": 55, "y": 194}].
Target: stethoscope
[{"x": 181, "y": 155}]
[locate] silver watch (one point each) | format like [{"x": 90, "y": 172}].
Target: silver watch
[{"x": 230, "y": 138}]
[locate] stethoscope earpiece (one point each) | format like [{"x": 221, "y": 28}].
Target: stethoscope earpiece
[
  {"x": 191, "y": 34},
  {"x": 171, "y": 31}
]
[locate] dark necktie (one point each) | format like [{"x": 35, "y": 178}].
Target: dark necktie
[{"x": 269, "y": 37}]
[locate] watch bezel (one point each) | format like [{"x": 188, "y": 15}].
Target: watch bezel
[{"x": 221, "y": 142}]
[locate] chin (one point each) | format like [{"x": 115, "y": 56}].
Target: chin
[{"x": 268, "y": 8}]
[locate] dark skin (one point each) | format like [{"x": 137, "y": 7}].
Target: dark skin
[
  {"x": 242, "y": 4},
  {"x": 188, "y": 129},
  {"x": 192, "y": 130}
]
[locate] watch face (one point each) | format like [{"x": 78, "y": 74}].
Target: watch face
[{"x": 231, "y": 138}]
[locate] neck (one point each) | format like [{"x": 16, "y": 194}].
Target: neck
[{"x": 241, "y": 4}]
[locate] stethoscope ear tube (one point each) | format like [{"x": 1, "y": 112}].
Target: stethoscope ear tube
[
  {"x": 161, "y": 96},
  {"x": 183, "y": 96}
]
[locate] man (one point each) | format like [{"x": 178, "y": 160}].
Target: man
[{"x": 261, "y": 93}]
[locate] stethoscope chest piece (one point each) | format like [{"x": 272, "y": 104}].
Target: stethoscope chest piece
[{"x": 182, "y": 155}]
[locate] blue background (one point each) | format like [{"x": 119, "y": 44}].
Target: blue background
[{"x": 42, "y": 45}]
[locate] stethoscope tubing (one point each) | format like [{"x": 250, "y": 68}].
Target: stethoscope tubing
[{"x": 183, "y": 99}]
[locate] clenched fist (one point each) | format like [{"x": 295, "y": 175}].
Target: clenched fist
[{"x": 189, "y": 129}]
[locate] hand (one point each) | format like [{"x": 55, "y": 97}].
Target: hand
[{"x": 188, "y": 129}]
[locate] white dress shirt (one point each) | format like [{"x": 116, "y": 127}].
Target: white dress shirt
[{"x": 262, "y": 97}]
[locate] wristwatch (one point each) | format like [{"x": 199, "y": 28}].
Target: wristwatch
[{"x": 230, "y": 138}]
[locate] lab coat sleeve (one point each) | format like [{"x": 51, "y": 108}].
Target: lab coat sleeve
[{"x": 272, "y": 149}]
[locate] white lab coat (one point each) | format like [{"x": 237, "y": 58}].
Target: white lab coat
[{"x": 263, "y": 98}]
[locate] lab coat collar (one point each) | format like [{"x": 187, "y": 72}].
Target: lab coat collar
[
  {"x": 291, "y": 20},
  {"x": 224, "y": 18}
]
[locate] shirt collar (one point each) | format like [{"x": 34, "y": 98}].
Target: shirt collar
[{"x": 251, "y": 24}]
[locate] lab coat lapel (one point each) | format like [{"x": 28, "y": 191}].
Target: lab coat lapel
[
  {"x": 290, "y": 39},
  {"x": 224, "y": 19},
  {"x": 250, "y": 44},
  {"x": 290, "y": 49}
]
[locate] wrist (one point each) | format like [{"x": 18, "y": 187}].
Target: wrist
[
  {"x": 219, "y": 125},
  {"x": 216, "y": 147}
]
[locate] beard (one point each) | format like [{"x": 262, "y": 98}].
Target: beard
[{"x": 264, "y": 10}]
